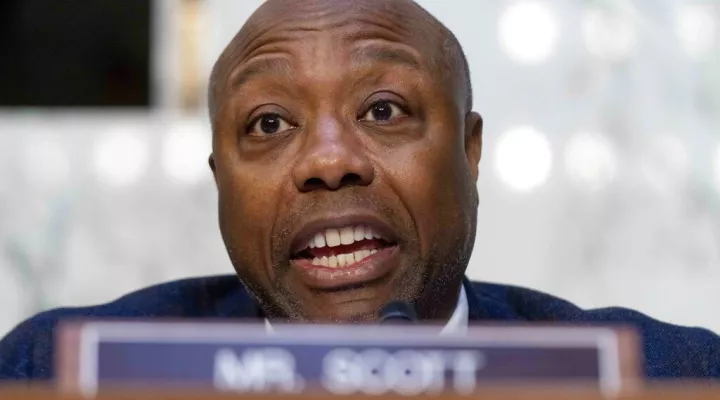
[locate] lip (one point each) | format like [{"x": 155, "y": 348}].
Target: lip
[
  {"x": 368, "y": 269},
  {"x": 302, "y": 237}
]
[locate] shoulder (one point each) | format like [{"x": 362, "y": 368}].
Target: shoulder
[
  {"x": 26, "y": 352},
  {"x": 669, "y": 350}
]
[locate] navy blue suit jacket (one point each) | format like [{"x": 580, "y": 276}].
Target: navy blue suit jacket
[{"x": 669, "y": 351}]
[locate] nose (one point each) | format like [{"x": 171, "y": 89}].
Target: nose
[{"x": 332, "y": 157}]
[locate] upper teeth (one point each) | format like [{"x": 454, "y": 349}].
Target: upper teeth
[{"x": 332, "y": 237}]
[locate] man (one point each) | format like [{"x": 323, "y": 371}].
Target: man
[{"x": 345, "y": 153}]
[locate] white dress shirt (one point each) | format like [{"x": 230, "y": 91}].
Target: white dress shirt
[{"x": 460, "y": 319}]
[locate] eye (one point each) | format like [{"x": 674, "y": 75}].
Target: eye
[
  {"x": 383, "y": 111},
  {"x": 268, "y": 124}
]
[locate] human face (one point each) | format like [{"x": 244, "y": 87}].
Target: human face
[{"x": 345, "y": 167}]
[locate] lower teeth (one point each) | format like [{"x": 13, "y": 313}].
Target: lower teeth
[{"x": 342, "y": 260}]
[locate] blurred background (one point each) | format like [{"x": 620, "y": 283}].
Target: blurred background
[{"x": 600, "y": 179}]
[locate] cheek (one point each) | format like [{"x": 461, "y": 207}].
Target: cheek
[
  {"x": 247, "y": 205},
  {"x": 432, "y": 180}
]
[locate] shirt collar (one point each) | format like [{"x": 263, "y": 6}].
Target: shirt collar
[{"x": 458, "y": 322}]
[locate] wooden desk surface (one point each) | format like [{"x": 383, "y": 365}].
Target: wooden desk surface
[{"x": 684, "y": 391}]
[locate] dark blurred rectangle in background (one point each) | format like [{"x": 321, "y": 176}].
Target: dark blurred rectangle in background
[{"x": 75, "y": 53}]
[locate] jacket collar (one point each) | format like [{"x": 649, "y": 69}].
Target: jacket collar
[{"x": 475, "y": 309}]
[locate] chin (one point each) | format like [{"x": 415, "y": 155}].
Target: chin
[
  {"x": 353, "y": 313},
  {"x": 348, "y": 305}
]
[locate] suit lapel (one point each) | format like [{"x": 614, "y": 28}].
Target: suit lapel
[
  {"x": 240, "y": 304},
  {"x": 487, "y": 302},
  {"x": 475, "y": 311}
]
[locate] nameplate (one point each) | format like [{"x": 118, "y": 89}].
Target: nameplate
[{"x": 340, "y": 360}]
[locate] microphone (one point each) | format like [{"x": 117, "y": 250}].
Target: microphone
[{"x": 398, "y": 312}]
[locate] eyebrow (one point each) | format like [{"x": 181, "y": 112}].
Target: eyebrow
[
  {"x": 273, "y": 65},
  {"x": 385, "y": 54}
]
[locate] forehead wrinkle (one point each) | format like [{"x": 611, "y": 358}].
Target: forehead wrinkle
[
  {"x": 288, "y": 25},
  {"x": 272, "y": 39},
  {"x": 241, "y": 48},
  {"x": 416, "y": 34},
  {"x": 260, "y": 46},
  {"x": 385, "y": 53},
  {"x": 267, "y": 64},
  {"x": 369, "y": 26}
]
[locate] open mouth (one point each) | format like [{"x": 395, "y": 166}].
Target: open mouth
[{"x": 342, "y": 247}]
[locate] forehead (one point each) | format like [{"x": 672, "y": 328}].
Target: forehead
[
  {"x": 400, "y": 33},
  {"x": 399, "y": 20}
]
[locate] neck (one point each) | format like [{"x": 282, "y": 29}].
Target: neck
[{"x": 439, "y": 305}]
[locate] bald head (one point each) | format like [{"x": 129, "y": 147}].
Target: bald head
[{"x": 441, "y": 48}]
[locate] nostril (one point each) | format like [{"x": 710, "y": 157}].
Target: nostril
[
  {"x": 351, "y": 179},
  {"x": 314, "y": 184}
]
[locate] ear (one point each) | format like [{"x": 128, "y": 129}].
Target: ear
[
  {"x": 211, "y": 162},
  {"x": 473, "y": 141}
]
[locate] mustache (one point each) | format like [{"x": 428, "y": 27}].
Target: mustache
[{"x": 320, "y": 203}]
